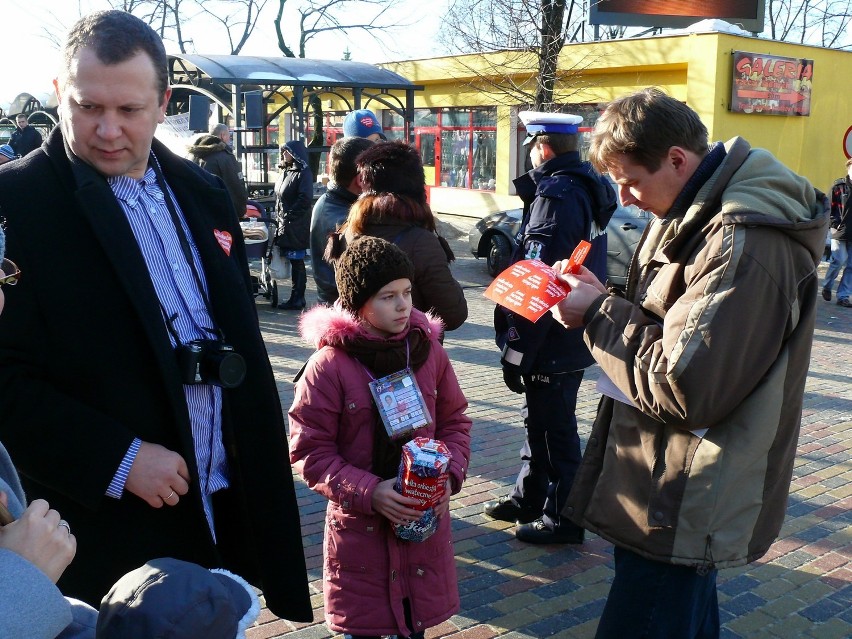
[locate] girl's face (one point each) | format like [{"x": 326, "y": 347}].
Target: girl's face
[{"x": 386, "y": 313}]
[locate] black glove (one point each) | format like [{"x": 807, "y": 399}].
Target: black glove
[{"x": 513, "y": 380}]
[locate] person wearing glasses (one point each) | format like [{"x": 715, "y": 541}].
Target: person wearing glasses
[{"x": 138, "y": 398}]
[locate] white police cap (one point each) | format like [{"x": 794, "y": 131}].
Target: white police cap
[{"x": 538, "y": 122}]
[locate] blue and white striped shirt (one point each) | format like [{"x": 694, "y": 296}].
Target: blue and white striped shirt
[{"x": 143, "y": 203}]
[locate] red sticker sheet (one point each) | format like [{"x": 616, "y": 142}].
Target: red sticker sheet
[{"x": 530, "y": 288}]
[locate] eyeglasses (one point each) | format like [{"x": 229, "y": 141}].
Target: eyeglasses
[{"x": 11, "y": 273}]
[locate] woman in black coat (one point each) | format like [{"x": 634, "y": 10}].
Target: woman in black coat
[{"x": 294, "y": 192}]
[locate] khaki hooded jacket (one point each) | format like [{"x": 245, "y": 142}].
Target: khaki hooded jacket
[{"x": 711, "y": 347}]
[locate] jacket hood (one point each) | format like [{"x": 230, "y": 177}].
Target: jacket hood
[
  {"x": 758, "y": 190},
  {"x": 298, "y": 150},
  {"x": 333, "y": 326},
  {"x": 207, "y": 144},
  {"x": 604, "y": 200}
]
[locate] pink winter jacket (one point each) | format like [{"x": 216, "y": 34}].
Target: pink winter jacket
[{"x": 367, "y": 571}]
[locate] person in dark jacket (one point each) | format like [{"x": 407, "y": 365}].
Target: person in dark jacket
[
  {"x": 294, "y": 192},
  {"x": 25, "y": 138},
  {"x": 212, "y": 152},
  {"x": 331, "y": 209},
  {"x": 565, "y": 202},
  {"x": 35, "y": 548},
  {"x": 841, "y": 241},
  {"x": 103, "y": 412},
  {"x": 393, "y": 207}
]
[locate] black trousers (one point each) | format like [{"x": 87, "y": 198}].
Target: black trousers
[{"x": 551, "y": 452}]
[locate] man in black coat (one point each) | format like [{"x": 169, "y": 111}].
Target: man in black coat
[
  {"x": 136, "y": 262},
  {"x": 332, "y": 208},
  {"x": 25, "y": 138}
]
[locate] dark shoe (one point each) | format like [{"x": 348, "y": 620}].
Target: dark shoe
[
  {"x": 537, "y": 532},
  {"x": 507, "y": 510},
  {"x": 826, "y": 294},
  {"x": 844, "y": 301},
  {"x": 293, "y": 304}
]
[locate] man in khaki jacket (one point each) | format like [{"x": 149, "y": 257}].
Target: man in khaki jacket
[{"x": 688, "y": 465}]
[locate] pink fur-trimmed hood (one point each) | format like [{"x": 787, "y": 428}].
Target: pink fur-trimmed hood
[{"x": 333, "y": 325}]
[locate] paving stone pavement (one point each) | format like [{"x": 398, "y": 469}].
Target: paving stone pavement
[{"x": 511, "y": 590}]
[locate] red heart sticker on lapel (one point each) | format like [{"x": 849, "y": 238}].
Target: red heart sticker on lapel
[{"x": 225, "y": 240}]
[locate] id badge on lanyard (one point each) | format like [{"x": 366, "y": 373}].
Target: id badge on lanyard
[{"x": 400, "y": 404}]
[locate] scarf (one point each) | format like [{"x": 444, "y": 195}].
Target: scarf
[{"x": 383, "y": 358}]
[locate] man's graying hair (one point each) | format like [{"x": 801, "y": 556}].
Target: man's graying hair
[
  {"x": 115, "y": 37},
  {"x": 643, "y": 126},
  {"x": 218, "y": 129}
]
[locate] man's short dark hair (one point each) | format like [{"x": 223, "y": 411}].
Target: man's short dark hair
[
  {"x": 115, "y": 37},
  {"x": 559, "y": 143},
  {"x": 341, "y": 159}
]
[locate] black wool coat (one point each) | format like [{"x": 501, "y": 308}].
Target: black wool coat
[{"x": 86, "y": 366}]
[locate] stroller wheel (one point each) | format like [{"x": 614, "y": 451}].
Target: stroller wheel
[{"x": 274, "y": 294}]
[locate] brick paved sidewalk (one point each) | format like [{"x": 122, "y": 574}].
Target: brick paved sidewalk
[{"x": 802, "y": 588}]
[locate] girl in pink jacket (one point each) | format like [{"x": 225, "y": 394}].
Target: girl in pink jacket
[{"x": 374, "y": 583}]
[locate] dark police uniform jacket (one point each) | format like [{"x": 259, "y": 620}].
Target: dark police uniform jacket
[{"x": 565, "y": 201}]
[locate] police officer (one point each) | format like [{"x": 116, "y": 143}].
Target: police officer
[{"x": 565, "y": 202}]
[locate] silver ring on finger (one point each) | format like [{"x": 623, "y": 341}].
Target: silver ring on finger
[{"x": 64, "y": 524}]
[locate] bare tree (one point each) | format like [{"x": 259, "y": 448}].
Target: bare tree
[
  {"x": 530, "y": 33},
  {"x": 237, "y": 18},
  {"x": 819, "y": 22},
  {"x": 320, "y": 16}
]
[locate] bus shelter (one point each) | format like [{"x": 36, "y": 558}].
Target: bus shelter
[{"x": 255, "y": 92}]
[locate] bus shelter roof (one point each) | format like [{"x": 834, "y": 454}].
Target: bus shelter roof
[{"x": 283, "y": 71}]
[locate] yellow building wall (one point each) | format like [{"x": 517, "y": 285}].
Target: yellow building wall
[{"x": 695, "y": 68}]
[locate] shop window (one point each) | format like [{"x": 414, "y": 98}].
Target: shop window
[
  {"x": 455, "y": 146},
  {"x": 458, "y": 146}
]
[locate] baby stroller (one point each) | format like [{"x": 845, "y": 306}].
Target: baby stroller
[{"x": 258, "y": 234}]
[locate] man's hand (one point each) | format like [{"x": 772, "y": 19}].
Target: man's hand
[
  {"x": 585, "y": 289},
  {"x": 513, "y": 380},
  {"x": 388, "y": 502},
  {"x": 37, "y": 537},
  {"x": 158, "y": 475}
]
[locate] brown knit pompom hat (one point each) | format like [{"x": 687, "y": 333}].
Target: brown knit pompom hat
[{"x": 367, "y": 265}]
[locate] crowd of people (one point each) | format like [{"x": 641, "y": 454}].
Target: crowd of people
[{"x": 145, "y": 416}]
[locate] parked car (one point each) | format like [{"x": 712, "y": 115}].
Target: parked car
[{"x": 494, "y": 238}]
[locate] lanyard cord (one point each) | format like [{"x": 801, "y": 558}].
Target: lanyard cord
[{"x": 187, "y": 254}]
